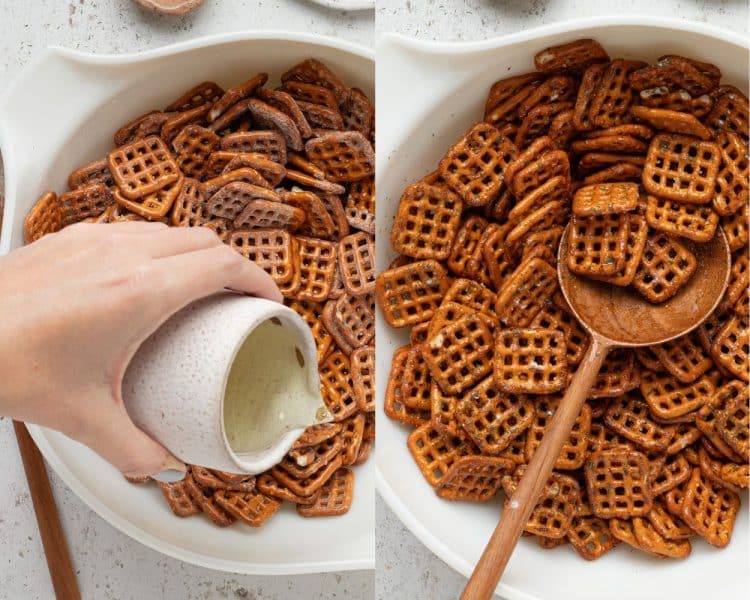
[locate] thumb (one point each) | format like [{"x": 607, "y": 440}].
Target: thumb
[{"x": 118, "y": 441}]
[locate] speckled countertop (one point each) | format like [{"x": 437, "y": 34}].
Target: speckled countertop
[
  {"x": 406, "y": 568},
  {"x": 109, "y": 564}
]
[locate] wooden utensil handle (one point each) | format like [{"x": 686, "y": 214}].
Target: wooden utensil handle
[
  {"x": 53, "y": 538},
  {"x": 491, "y": 565}
]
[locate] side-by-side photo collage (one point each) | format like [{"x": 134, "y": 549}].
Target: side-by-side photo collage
[{"x": 374, "y": 300}]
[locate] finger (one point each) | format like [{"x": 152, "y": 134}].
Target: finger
[
  {"x": 187, "y": 277},
  {"x": 118, "y": 441},
  {"x": 109, "y": 229},
  {"x": 179, "y": 240}
]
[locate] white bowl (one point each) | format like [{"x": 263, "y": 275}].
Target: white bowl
[
  {"x": 61, "y": 113},
  {"x": 427, "y": 96}
]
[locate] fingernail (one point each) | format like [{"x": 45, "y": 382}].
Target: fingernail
[{"x": 169, "y": 476}]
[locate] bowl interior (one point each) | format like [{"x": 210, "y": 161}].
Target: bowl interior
[
  {"x": 106, "y": 93},
  {"x": 457, "y": 82}
]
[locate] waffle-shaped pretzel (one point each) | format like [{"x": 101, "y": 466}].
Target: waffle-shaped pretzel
[
  {"x": 739, "y": 279},
  {"x": 189, "y": 208},
  {"x": 733, "y": 422},
  {"x": 678, "y": 100},
  {"x": 334, "y": 498},
  {"x": 589, "y": 85},
  {"x": 651, "y": 541},
  {"x": 141, "y": 127},
  {"x": 269, "y": 143},
  {"x": 271, "y": 487},
  {"x": 590, "y": 537},
  {"x": 234, "y": 95},
  {"x": 684, "y": 357},
  {"x": 730, "y": 113},
  {"x": 551, "y": 164},
  {"x": 597, "y": 244},
  {"x": 363, "y": 375},
  {"x": 309, "y": 485},
  {"x": 305, "y": 462},
  {"x": 266, "y": 214},
  {"x": 246, "y": 175},
  {"x": 192, "y": 146},
  {"x": 209, "y": 478},
  {"x": 552, "y": 214},
  {"x": 459, "y": 354},
  {"x": 681, "y": 168},
  {"x": 317, "y": 264},
  {"x": 617, "y": 482},
  {"x": 573, "y": 56},
  {"x": 683, "y": 435},
  {"x": 355, "y": 317},
  {"x": 676, "y": 470},
  {"x": 474, "y": 478},
  {"x": 507, "y": 94},
  {"x": 252, "y": 508},
  {"x": 697, "y": 223},
  {"x": 613, "y": 96},
  {"x": 466, "y": 250},
  {"x": 557, "y": 315},
  {"x": 730, "y": 348},
  {"x": 435, "y": 452},
  {"x": 630, "y": 417},
  {"x": 356, "y": 257},
  {"x": 317, "y": 223},
  {"x": 206, "y": 92},
  {"x": 360, "y": 205},
  {"x": 229, "y": 194},
  {"x": 473, "y": 295},
  {"x": 271, "y": 249},
  {"x": 343, "y": 155},
  {"x": 392, "y": 404},
  {"x": 207, "y": 500},
  {"x": 312, "y": 313},
  {"x": 427, "y": 221},
  {"x": 530, "y": 361},
  {"x": 416, "y": 382},
  {"x": 335, "y": 209},
  {"x": 475, "y": 166},
  {"x": 143, "y": 167},
  {"x": 707, "y": 416},
  {"x": 449, "y": 312},
  {"x": 731, "y": 193},
  {"x": 671, "y": 121},
  {"x": 221, "y": 162},
  {"x": 285, "y": 103},
  {"x": 93, "y": 172},
  {"x": 736, "y": 228},
  {"x": 558, "y": 88},
  {"x": 554, "y": 511},
  {"x": 84, "y": 202},
  {"x": 321, "y": 118},
  {"x": 337, "y": 386},
  {"x": 562, "y": 130},
  {"x": 443, "y": 411},
  {"x": 574, "y": 449},
  {"x": 359, "y": 113},
  {"x": 676, "y": 73},
  {"x": 309, "y": 92},
  {"x": 176, "y": 495},
  {"x": 152, "y": 206},
  {"x": 668, "y": 525},
  {"x": 555, "y": 189},
  {"x": 636, "y": 241},
  {"x": 626, "y": 170},
  {"x": 538, "y": 121},
  {"x": 177, "y": 122},
  {"x": 605, "y": 199},
  {"x": 315, "y": 72},
  {"x": 410, "y": 294},
  {"x": 270, "y": 117},
  {"x": 666, "y": 265},
  {"x": 525, "y": 291},
  {"x": 709, "y": 509},
  {"x": 610, "y": 143}
]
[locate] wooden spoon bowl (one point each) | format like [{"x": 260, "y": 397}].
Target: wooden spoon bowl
[
  {"x": 171, "y": 7},
  {"x": 614, "y": 317}
]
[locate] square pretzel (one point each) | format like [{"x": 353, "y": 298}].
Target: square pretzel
[
  {"x": 525, "y": 291},
  {"x": 334, "y": 498},
  {"x": 459, "y": 354},
  {"x": 617, "y": 481},
  {"x": 681, "y": 168},
  {"x": 355, "y": 318},
  {"x": 475, "y": 166},
  {"x": 312, "y": 314},
  {"x": 530, "y": 361},
  {"x": 153, "y": 206},
  {"x": 556, "y": 315},
  {"x": 357, "y": 263},
  {"x": 473, "y": 295},
  {"x": 363, "y": 374},
  {"x": 630, "y": 417},
  {"x": 697, "y": 223},
  {"x": 317, "y": 260},
  {"x": 268, "y": 143},
  {"x": 435, "y": 452},
  {"x": 474, "y": 478},
  {"x": 637, "y": 229},
  {"x": 427, "y": 221},
  {"x": 574, "y": 450},
  {"x": 668, "y": 398},
  {"x": 553, "y": 163},
  {"x": 466, "y": 251},
  {"x": 344, "y": 156},
  {"x": 731, "y": 347},
  {"x": 142, "y": 167},
  {"x": 666, "y": 265},
  {"x": 410, "y": 294},
  {"x": 613, "y": 96},
  {"x": 443, "y": 414},
  {"x": 605, "y": 199},
  {"x": 193, "y": 145},
  {"x": 684, "y": 357},
  {"x": 709, "y": 509},
  {"x": 271, "y": 249},
  {"x": 337, "y": 386},
  {"x": 84, "y": 202},
  {"x": 393, "y": 406},
  {"x": 360, "y": 205},
  {"x": 416, "y": 381},
  {"x": 733, "y": 424},
  {"x": 597, "y": 244}
]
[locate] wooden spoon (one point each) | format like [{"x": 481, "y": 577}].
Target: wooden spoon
[
  {"x": 613, "y": 317},
  {"x": 171, "y": 7}
]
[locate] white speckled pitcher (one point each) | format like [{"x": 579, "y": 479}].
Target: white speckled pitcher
[{"x": 175, "y": 386}]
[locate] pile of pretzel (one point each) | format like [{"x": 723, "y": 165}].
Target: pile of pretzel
[
  {"x": 642, "y": 160},
  {"x": 284, "y": 176}
]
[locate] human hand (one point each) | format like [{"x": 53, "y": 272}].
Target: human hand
[{"x": 76, "y": 306}]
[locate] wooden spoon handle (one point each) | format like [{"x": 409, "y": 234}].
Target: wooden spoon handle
[
  {"x": 496, "y": 554},
  {"x": 53, "y": 538}
]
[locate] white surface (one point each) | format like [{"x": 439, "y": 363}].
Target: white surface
[
  {"x": 38, "y": 139},
  {"x": 347, "y": 4},
  {"x": 442, "y": 91},
  {"x": 110, "y": 565}
]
